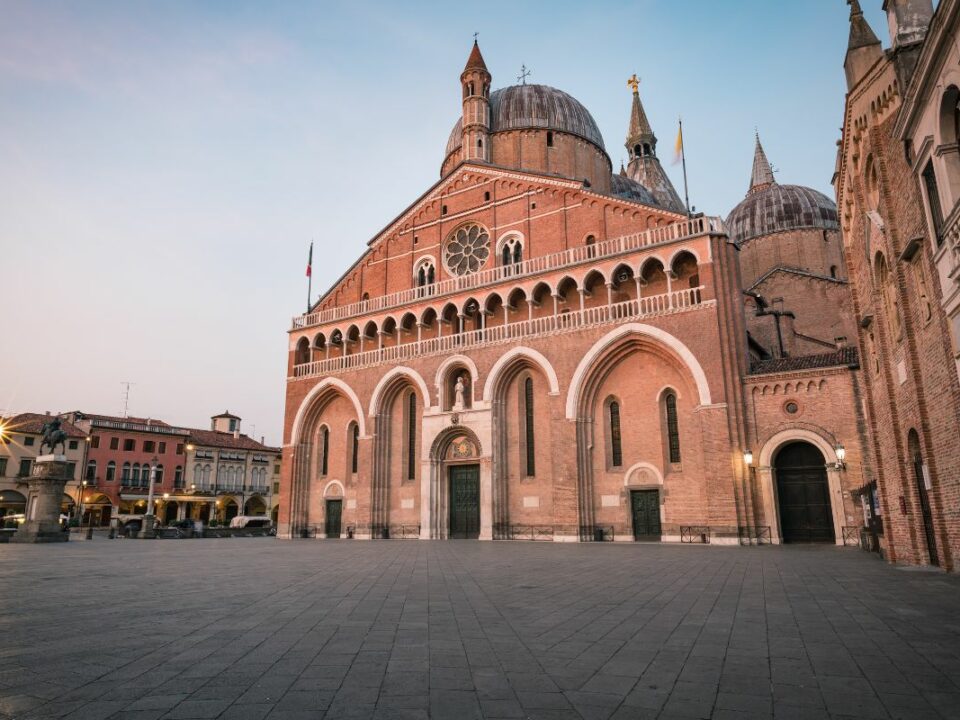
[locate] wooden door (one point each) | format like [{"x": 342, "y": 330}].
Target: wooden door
[
  {"x": 924, "y": 496},
  {"x": 465, "y": 501}
]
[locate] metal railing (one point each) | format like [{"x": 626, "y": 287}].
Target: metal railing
[
  {"x": 691, "y": 227},
  {"x": 851, "y": 535},
  {"x": 663, "y": 304},
  {"x": 754, "y": 534},
  {"x": 405, "y": 532},
  {"x": 695, "y": 534},
  {"x": 596, "y": 533},
  {"x": 504, "y": 531}
]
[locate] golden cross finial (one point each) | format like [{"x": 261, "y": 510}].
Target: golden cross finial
[{"x": 634, "y": 83}]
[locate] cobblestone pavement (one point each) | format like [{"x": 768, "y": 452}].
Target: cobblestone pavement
[{"x": 249, "y": 628}]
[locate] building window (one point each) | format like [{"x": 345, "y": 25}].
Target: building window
[
  {"x": 591, "y": 243},
  {"x": 125, "y": 474},
  {"x": 355, "y": 448},
  {"x": 673, "y": 431},
  {"x": 128, "y": 445},
  {"x": 25, "y": 467},
  {"x": 159, "y": 477},
  {"x": 149, "y": 446},
  {"x": 178, "y": 477},
  {"x": 412, "y": 436},
  {"x": 933, "y": 200},
  {"x": 111, "y": 471},
  {"x": 616, "y": 442},
  {"x": 549, "y": 139},
  {"x": 324, "y": 450},
  {"x": 27, "y": 440},
  {"x": 511, "y": 251},
  {"x": 276, "y": 488},
  {"x": 161, "y": 447},
  {"x": 114, "y": 443},
  {"x": 135, "y": 474},
  {"x": 95, "y": 442},
  {"x": 833, "y": 271},
  {"x": 71, "y": 469},
  {"x": 425, "y": 273},
  {"x": 926, "y": 308},
  {"x": 529, "y": 448},
  {"x": 3, "y": 467},
  {"x": 91, "y": 471},
  {"x": 72, "y": 445}
]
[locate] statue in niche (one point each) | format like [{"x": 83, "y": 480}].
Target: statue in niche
[{"x": 458, "y": 391}]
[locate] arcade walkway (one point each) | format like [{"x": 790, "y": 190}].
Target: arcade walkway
[{"x": 258, "y": 628}]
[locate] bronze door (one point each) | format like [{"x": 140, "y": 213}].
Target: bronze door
[
  {"x": 465, "y": 501},
  {"x": 334, "y": 513},
  {"x": 645, "y": 507}
]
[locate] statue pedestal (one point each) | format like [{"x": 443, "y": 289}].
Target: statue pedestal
[
  {"x": 147, "y": 530},
  {"x": 44, "y": 497}
]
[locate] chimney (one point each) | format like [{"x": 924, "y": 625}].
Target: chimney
[
  {"x": 263, "y": 440},
  {"x": 47, "y": 413}
]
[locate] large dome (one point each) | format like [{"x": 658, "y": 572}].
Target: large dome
[
  {"x": 521, "y": 107},
  {"x": 630, "y": 189},
  {"x": 777, "y": 208}
]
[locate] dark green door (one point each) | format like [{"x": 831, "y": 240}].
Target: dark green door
[
  {"x": 645, "y": 506},
  {"x": 334, "y": 513},
  {"x": 465, "y": 501}
]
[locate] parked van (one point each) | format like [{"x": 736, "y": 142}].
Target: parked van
[{"x": 251, "y": 521}]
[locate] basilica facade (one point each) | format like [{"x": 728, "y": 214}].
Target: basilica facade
[{"x": 543, "y": 347}]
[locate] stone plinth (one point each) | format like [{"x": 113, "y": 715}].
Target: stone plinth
[{"x": 44, "y": 497}]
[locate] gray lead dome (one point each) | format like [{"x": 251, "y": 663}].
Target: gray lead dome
[
  {"x": 778, "y": 208},
  {"x": 521, "y": 107}
]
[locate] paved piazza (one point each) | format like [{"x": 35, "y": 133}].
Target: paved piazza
[{"x": 258, "y": 628}]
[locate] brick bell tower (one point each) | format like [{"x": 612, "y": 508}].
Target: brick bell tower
[{"x": 475, "y": 82}]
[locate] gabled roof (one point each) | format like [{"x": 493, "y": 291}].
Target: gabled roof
[
  {"x": 217, "y": 439},
  {"x": 795, "y": 271},
  {"x": 32, "y": 424},
  {"x": 843, "y": 357}
]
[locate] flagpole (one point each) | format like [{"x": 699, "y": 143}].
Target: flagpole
[
  {"x": 310, "y": 276},
  {"x": 683, "y": 156}
]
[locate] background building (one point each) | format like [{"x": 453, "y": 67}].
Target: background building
[
  {"x": 19, "y": 447},
  {"x": 896, "y": 171}
]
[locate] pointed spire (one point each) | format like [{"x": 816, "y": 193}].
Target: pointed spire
[
  {"x": 861, "y": 34},
  {"x": 762, "y": 175},
  {"x": 475, "y": 61},
  {"x": 639, "y": 131}
]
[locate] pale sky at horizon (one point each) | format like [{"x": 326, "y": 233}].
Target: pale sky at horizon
[{"x": 165, "y": 165}]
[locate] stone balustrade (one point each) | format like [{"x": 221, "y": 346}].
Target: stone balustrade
[
  {"x": 692, "y": 227},
  {"x": 663, "y": 304}
]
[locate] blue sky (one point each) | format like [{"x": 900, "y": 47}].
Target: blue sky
[{"x": 164, "y": 165}]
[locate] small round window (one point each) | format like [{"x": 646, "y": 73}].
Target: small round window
[
  {"x": 791, "y": 408},
  {"x": 467, "y": 250}
]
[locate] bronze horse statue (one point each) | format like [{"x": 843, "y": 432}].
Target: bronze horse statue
[{"x": 53, "y": 435}]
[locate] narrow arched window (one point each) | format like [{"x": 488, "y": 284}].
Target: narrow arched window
[
  {"x": 422, "y": 276},
  {"x": 111, "y": 471},
  {"x": 673, "y": 432},
  {"x": 412, "y": 437},
  {"x": 616, "y": 443},
  {"x": 528, "y": 426},
  {"x": 197, "y": 475},
  {"x": 517, "y": 253},
  {"x": 325, "y": 450},
  {"x": 125, "y": 474},
  {"x": 355, "y": 452},
  {"x": 506, "y": 254}
]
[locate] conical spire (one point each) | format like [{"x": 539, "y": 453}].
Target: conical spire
[
  {"x": 639, "y": 132},
  {"x": 475, "y": 61},
  {"x": 762, "y": 175},
  {"x": 861, "y": 34}
]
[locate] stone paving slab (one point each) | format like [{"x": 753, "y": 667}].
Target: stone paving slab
[{"x": 260, "y": 629}]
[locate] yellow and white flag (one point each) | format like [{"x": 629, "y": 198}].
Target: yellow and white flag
[{"x": 678, "y": 147}]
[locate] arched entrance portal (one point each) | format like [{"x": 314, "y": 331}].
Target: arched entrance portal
[
  {"x": 170, "y": 512},
  {"x": 803, "y": 494},
  {"x": 230, "y": 510},
  {"x": 459, "y": 489}
]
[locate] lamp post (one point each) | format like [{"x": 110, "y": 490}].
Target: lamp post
[
  {"x": 147, "y": 531},
  {"x": 83, "y": 486}
]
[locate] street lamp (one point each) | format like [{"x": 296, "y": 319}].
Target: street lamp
[
  {"x": 83, "y": 486},
  {"x": 748, "y": 457},
  {"x": 841, "y": 456},
  {"x": 147, "y": 530}
]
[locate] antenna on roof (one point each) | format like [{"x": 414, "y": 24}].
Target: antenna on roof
[{"x": 126, "y": 395}]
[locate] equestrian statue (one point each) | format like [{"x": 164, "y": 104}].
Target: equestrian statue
[{"x": 53, "y": 435}]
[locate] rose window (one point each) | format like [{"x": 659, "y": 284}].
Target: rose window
[{"x": 467, "y": 250}]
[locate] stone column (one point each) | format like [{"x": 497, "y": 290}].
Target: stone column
[{"x": 47, "y": 480}]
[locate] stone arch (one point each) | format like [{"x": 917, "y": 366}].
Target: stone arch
[
  {"x": 334, "y": 484},
  {"x": 401, "y": 371},
  {"x": 634, "y": 470},
  {"x": 656, "y": 335},
  {"x": 443, "y": 373},
  {"x": 822, "y": 441},
  {"x": 533, "y": 356},
  {"x": 319, "y": 391},
  {"x": 434, "y": 511}
]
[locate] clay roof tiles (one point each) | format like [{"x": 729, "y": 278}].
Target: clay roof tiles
[
  {"x": 846, "y": 356},
  {"x": 32, "y": 424}
]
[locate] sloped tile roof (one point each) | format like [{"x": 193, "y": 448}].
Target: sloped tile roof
[
  {"x": 32, "y": 423},
  {"x": 847, "y": 356}
]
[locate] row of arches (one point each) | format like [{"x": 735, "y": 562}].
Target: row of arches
[{"x": 598, "y": 286}]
